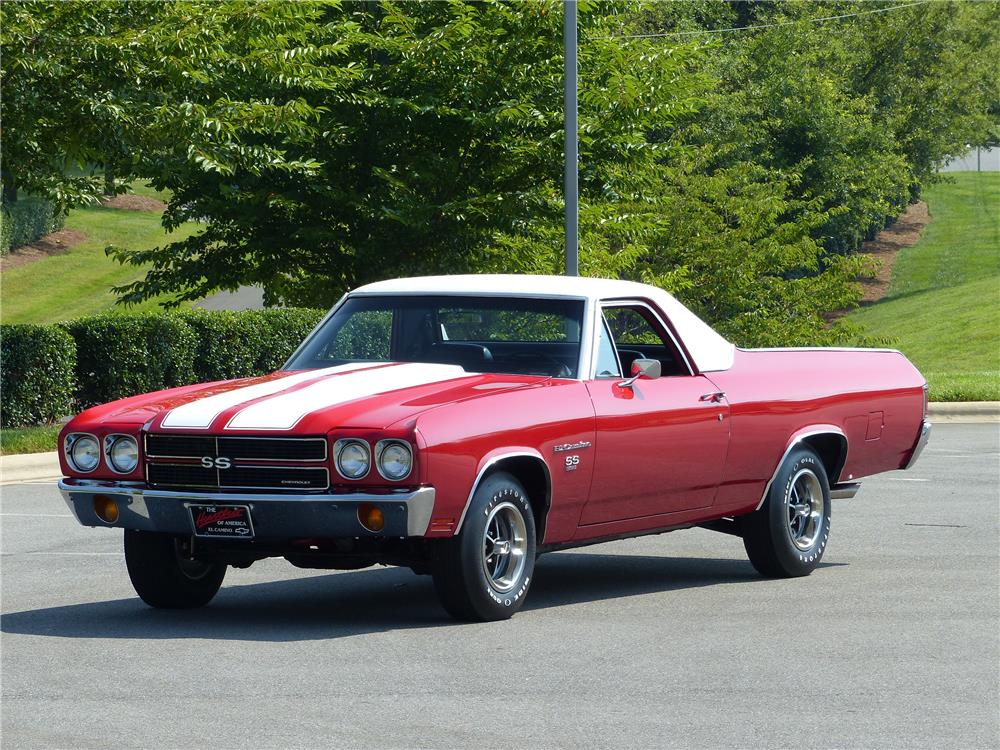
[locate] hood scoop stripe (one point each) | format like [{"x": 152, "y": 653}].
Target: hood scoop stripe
[
  {"x": 199, "y": 414},
  {"x": 285, "y": 410}
]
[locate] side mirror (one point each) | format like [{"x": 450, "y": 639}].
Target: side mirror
[{"x": 647, "y": 369}]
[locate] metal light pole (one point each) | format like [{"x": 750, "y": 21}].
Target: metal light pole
[{"x": 571, "y": 181}]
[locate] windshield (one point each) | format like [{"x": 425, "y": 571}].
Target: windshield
[{"x": 481, "y": 334}]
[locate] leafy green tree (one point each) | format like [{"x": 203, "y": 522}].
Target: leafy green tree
[
  {"x": 141, "y": 87},
  {"x": 52, "y": 109},
  {"x": 448, "y": 134},
  {"x": 324, "y": 145}
]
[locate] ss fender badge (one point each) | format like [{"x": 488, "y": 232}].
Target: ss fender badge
[
  {"x": 572, "y": 463},
  {"x": 571, "y": 446}
]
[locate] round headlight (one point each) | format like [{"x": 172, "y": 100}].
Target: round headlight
[
  {"x": 353, "y": 458},
  {"x": 395, "y": 459},
  {"x": 123, "y": 453},
  {"x": 83, "y": 452}
]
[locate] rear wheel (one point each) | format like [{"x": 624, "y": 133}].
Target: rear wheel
[
  {"x": 787, "y": 536},
  {"x": 164, "y": 576},
  {"x": 484, "y": 573}
]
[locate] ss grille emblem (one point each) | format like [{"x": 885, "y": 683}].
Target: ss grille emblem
[{"x": 216, "y": 463}]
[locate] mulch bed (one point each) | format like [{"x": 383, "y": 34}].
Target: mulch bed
[
  {"x": 134, "y": 203},
  {"x": 904, "y": 232},
  {"x": 55, "y": 243}
]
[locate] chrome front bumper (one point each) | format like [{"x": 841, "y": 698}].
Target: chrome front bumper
[
  {"x": 275, "y": 516},
  {"x": 925, "y": 434}
]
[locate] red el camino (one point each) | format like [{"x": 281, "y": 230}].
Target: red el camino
[{"x": 461, "y": 425}]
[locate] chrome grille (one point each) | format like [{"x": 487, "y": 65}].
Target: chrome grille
[
  {"x": 244, "y": 463},
  {"x": 237, "y": 448},
  {"x": 237, "y": 477}
]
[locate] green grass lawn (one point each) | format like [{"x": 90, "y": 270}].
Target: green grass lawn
[
  {"x": 943, "y": 308},
  {"x": 29, "y": 439},
  {"x": 147, "y": 191},
  {"x": 79, "y": 281}
]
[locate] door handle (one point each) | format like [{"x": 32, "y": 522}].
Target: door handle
[{"x": 714, "y": 397}]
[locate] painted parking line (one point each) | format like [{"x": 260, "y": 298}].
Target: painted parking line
[
  {"x": 65, "y": 554},
  {"x": 906, "y": 479}
]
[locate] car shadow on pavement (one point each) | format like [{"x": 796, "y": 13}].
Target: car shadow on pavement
[{"x": 352, "y": 603}]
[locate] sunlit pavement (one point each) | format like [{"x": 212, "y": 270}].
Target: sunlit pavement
[{"x": 657, "y": 642}]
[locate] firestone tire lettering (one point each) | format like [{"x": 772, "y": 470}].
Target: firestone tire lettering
[
  {"x": 766, "y": 532},
  {"x": 459, "y": 576}
]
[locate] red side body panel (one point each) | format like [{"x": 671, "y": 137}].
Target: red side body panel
[
  {"x": 655, "y": 457},
  {"x": 775, "y": 395}
]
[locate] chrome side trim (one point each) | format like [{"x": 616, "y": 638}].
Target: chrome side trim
[
  {"x": 588, "y": 336},
  {"x": 818, "y": 349},
  {"x": 844, "y": 491},
  {"x": 487, "y": 466},
  {"x": 791, "y": 446},
  {"x": 925, "y": 435},
  {"x": 419, "y": 502}
]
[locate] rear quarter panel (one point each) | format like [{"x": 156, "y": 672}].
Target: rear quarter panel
[{"x": 875, "y": 397}]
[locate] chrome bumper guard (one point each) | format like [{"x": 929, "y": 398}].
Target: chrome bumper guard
[
  {"x": 925, "y": 434},
  {"x": 275, "y": 516}
]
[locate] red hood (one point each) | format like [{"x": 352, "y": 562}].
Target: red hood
[{"x": 304, "y": 402}]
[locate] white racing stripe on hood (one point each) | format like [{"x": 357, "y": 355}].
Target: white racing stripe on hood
[
  {"x": 201, "y": 413},
  {"x": 284, "y": 411}
]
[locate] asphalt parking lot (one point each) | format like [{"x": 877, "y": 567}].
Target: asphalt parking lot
[{"x": 668, "y": 641}]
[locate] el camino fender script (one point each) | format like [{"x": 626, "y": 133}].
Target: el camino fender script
[{"x": 572, "y": 462}]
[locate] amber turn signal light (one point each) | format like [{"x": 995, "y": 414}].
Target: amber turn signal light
[
  {"x": 106, "y": 508},
  {"x": 371, "y": 517}
]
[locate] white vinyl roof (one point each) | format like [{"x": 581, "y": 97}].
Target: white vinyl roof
[{"x": 710, "y": 352}]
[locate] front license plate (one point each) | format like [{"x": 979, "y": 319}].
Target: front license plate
[{"x": 228, "y": 521}]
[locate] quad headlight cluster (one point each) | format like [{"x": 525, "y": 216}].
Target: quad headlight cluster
[
  {"x": 83, "y": 452},
  {"x": 393, "y": 459}
]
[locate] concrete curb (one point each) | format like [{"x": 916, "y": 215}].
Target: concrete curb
[
  {"x": 29, "y": 467},
  {"x": 964, "y": 411},
  {"x": 38, "y": 467}
]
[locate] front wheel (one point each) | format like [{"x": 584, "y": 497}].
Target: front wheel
[
  {"x": 787, "y": 535},
  {"x": 164, "y": 576},
  {"x": 483, "y": 574}
]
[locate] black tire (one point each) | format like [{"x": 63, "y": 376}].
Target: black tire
[
  {"x": 474, "y": 585},
  {"x": 798, "y": 501},
  {"x": 162, "y": 578}
]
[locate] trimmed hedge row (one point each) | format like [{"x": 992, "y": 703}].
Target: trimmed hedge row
[
  {"x": 122, "y": 355},
  {"x": 37, "y": 375},
  {"x": 52, "y": 371},
  {"x": 27, "y": 220},
  {"x": 242, "y": 344}
]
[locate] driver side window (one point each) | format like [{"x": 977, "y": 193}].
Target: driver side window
[{"x": 637, "y": 334}]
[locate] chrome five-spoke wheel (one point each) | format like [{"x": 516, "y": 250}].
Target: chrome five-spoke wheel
[
  {"x": 787, "y": 535},
  {"x": 483, "y": 573},
  {"x": 505, "y": 543},
  {"x": 805, "y": 509}
]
